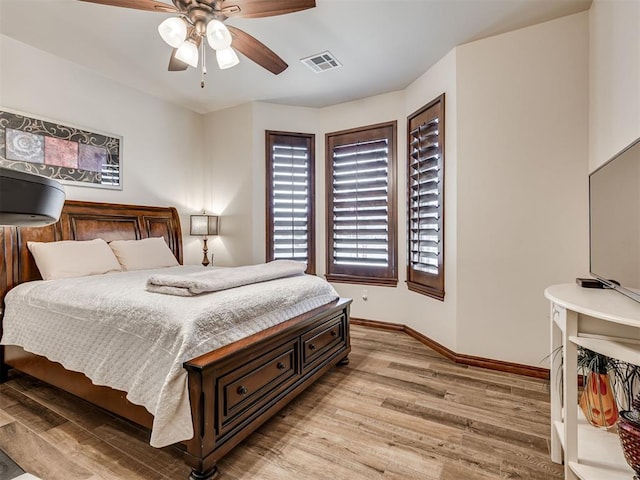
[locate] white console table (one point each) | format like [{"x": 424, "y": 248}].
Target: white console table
[{"x": 606, "y": 322}]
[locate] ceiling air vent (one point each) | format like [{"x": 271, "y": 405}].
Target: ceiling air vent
[{"x": 321, "y": 62}]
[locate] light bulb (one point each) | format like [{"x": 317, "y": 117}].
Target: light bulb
[
  {"x": 227, "y": 58},
  {"x": 188, "y": 53},
  {"x": 173, "y": 31},
  {"x": 218, "y": 35}
]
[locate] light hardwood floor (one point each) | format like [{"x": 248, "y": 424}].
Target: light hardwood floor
[{"x": 398, "y": 411}]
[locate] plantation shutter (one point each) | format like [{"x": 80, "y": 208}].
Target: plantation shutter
[
  {"x": 361, "y": 198},
  {"x": 425, "y": 170},
  {"x": 290, "y": 209}
]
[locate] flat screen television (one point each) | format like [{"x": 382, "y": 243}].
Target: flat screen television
[{"x": 614, "y": 222}]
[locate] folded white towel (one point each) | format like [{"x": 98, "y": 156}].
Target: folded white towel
[{"x": 222, "y": 278}]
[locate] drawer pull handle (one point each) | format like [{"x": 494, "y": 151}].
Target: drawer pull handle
[
  {"x": 334, "y": 333},
  {"x": 242, "y": 390},
  {"x": 281, "y": 366},
  {"x": 312, "y": 346}
]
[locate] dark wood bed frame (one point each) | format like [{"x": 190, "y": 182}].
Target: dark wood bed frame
[{"x": 234, "y": 389}]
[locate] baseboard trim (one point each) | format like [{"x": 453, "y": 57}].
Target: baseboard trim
[
  {"x": 377, "y": 324},
  {"x": 470, "y": 360}
]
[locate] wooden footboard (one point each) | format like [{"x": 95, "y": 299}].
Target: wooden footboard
[{"x": 237, "y": 388}]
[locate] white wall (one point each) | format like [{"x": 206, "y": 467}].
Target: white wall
[
  {"x": 228, "y": 176},
  {"x": 435, "y": 319},
  {"x": 614, "y": 76},
  {"x": 522, "y": 183},
  {"x": 162, "y": 144}
]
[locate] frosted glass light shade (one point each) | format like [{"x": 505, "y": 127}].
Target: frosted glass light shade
[
  {"x": 218, "y": 35},
  {"x": 188, "y": 53},
  {"x": 227, "y": 58},
  {"x": 173, "y": 31}
]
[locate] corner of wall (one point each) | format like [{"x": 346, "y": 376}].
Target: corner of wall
[{"x": 614, "y": 76}]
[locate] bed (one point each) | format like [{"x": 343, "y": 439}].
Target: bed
[{"x": 232, "y": 389}]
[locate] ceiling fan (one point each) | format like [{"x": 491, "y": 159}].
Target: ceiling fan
[{"x": 198, "y": 19}]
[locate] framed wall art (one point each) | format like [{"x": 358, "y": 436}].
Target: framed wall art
[{"x": 69, "y": 154}]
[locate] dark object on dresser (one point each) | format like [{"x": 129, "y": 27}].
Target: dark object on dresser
[{"x": 589, "y": 283}]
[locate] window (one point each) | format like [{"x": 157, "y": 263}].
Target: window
[
  {"x": 290, "y": 197},
  {"x": 425, "y": 190},
  {"x": 361, "y": 205}
]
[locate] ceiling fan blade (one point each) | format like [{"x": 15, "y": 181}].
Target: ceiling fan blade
[
  {"x": 176, "y": 65},
  {"x": 151, "y": 5},
  {"x": 267, "y": 8},
  {"x": 257, "y": 51}
]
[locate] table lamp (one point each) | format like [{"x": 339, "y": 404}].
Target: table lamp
[{"x": 204, "y": 225}]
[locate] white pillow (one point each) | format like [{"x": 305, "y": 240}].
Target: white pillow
[
  {"x": 72, "y": 258},
  {"x": 143, "y": 254}
]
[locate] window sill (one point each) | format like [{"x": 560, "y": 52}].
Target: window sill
[
  {"x": 426, "y": 290},
  {"x": 382, "y": 282}
]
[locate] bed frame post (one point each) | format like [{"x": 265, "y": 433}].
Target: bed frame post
[
  {"x": 209, "y": 475},
  {"x": 6, "y": 264},
  {"x": 343, "y": 362},
  {"x": 4, "y": 368},
  {"x": 197, "y": 456}
]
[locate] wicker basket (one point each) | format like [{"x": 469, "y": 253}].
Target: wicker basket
[{"x": 629, "y": 432}]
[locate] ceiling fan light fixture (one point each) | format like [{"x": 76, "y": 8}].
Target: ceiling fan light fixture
[
  {"x": 173, "y": 31},
  {"x": 218, "y": 35},
  {"x": 188, "y": 53},
  {"x": 227, "y": 58}
]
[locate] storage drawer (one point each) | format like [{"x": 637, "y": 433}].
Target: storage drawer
[
  {"x": 323, "y": 340},
  {"x": 247, "y": 388}
]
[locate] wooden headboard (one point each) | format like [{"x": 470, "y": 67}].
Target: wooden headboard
[{"x": 85, "y": 221}]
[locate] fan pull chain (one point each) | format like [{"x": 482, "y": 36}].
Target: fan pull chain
[{"x": 204, "y": 63}]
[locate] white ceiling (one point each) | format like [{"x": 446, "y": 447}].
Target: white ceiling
[{"x": 383, "y": 45}]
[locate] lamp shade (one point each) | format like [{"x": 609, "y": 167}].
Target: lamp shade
[
  {"x": 29, "y": 200},
  {"x": 173, "y": 31},
  {"x": 218, "y": 35},
  {"x": 227, "y": 58},
  {"x": 204, "y": 225},
  {"x": 188, "y": 53}
]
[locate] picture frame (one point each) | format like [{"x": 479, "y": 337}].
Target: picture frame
[{"x": 69, "y": 154}]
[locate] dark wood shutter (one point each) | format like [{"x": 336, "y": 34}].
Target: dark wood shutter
[
  {"x": 290, "y": 197},
  {"x": 425, "y": 189},
  {"x": 361, "y": 198}
]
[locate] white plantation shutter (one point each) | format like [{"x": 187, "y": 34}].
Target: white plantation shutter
[
  {"x": 424, "y": 198},
  {"x": 425, "y": 170},
  {"x": 361, "y": 206},
  {"x": 290, "y": 198},
  {"x": 290, "y": 202}
]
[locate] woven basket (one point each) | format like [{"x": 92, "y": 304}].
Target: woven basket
[{"x": 629, "y": 432}]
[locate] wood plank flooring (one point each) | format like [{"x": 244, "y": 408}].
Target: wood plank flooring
[{"x": 398, "y": 411}]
